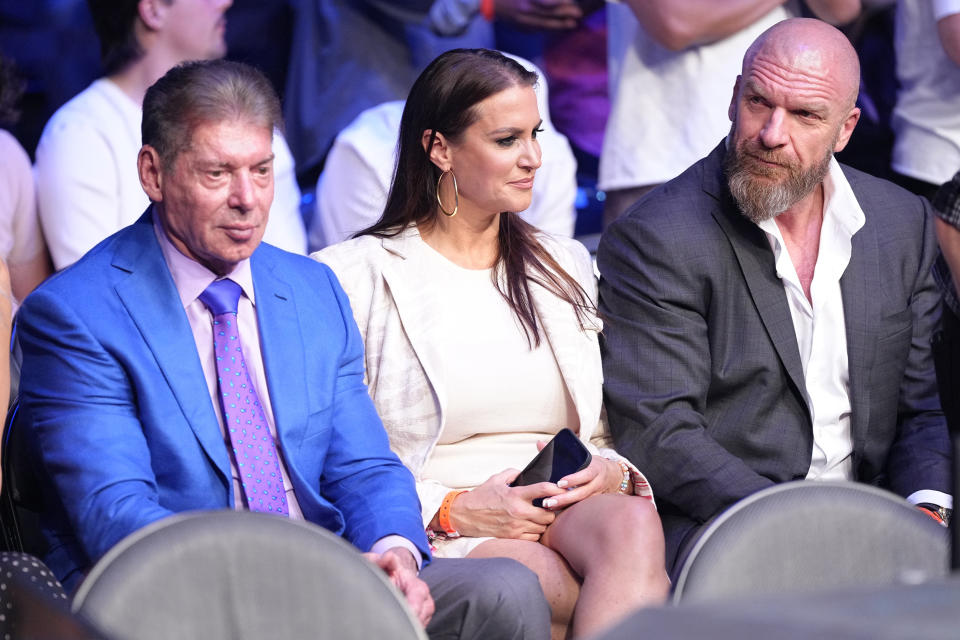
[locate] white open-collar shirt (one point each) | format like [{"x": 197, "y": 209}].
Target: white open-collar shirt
[{"x": 820, "y": 327}]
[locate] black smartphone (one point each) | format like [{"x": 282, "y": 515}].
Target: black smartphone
[{"x": 563, "y": 455}]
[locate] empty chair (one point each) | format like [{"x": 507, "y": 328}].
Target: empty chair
[
  {"x": 807, "y": 536},
  {"x": 239, "y": 575}
]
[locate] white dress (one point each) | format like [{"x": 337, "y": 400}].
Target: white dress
[{"x": 461, "y": 394}]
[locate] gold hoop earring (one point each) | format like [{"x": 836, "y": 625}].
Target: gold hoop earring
[{"x": 456, "y": 194}]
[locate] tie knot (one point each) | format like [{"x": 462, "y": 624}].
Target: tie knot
[{"x": 221, "y": 296}]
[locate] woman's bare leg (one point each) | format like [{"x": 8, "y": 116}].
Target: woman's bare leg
[
  {"x": 615, "y": 543},
  {"x": 560, "y": 586}
]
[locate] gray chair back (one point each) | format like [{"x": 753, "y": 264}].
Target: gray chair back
[
  {"x": 240, "y": 575},
  {"x": 807, "y": 536}
]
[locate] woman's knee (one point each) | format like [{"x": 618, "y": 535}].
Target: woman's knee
[{"x": 630, "y": 526}]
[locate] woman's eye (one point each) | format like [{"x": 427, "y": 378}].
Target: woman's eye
[{"x": 506, "y": 142}]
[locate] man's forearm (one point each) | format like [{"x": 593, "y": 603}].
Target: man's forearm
[
  {"x": 678, "y": 24},
  {"x": 836, "y": 12}
]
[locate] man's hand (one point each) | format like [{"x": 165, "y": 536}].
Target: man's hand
[
  {"x": 539, "y": 14},
  {"x": 401, "y": 567}
]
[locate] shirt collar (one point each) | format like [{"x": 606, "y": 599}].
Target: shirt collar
[
  {"x": 841, "y": 210},
  {"x": 190, "y": 277}
]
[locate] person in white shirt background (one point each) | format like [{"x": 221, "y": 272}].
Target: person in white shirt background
[
  {"x": 926, "y": 118},
  {"x": 87, "y": 186}
]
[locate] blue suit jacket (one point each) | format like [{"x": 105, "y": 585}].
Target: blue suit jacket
[
  {"x": 124, "y": 426},
  {"x": 703, "y": 381}
]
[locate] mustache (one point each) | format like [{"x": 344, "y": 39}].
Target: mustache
[{"x": 752, "y": 152}]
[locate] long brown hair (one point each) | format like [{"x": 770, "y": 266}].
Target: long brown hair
[{"x": 443, "y": 100}]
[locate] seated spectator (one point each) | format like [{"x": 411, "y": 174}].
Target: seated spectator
[
  {"x": 769, "y": 312},
  {"x": 351, "y": 55},
  {"x": 353, "y": 187},
  {"x": 87, "y": 186},
  {"x": 21, "y": 242},
  {"x": 481, "y": 340},
  {"x": 668, "y": 60},
  {"x": 126, "y": 378}
]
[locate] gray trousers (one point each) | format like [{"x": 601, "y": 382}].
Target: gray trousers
[{"x": 485, "y": 598}]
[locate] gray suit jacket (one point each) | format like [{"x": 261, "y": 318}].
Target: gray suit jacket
[{"x": 704, "y": 384}]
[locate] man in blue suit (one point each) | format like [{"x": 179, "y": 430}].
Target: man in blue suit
[{"x": 125, "y": 386}]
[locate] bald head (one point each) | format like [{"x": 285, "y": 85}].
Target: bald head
[
  {"x": 793, "y": 107},
  {"x": 810, "y": 47}
]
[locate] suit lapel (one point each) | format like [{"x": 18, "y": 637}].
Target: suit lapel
[
  {"x": 282, "y": 348},
  {"x": 151, "y": 299},
  {"x": 750, "y": 245},
  {"x": 416, "y": 307},
  {"x": 860, "y": 311}
]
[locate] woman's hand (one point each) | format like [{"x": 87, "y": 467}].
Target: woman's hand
[
  {"x": 501, "y": 511},
  {"x": 601, "y": 476}
]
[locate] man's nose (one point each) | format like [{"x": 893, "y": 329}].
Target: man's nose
[
  {"x": 774, "y": 131},
  {"x": 242, "y": 192}
]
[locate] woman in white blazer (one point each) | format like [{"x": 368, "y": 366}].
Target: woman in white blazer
[{"x": 481, "y": 342}]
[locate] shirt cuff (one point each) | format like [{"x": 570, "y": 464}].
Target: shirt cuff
[
  {"x": 938, "y": 498},
  {"x": 388, "y": 542},
  {"x": 944, "y": 8}
]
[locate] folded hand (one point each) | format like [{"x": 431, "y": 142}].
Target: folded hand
[
  {"x": 499, "y": 510},
  {"x": 401, "y": 567},
  {"x": 539, "y": 14},
  {"x": 600, "y": 476}
]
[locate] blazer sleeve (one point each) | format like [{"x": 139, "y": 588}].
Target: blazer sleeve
[
  {"x": 655, "y": 345},
  {"x": 919, "y": 457},
  {"x": 82, "y": 413},
  {"x": 362, "y": 477}
]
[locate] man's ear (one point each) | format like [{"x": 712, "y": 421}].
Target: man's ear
[
  {"x": 153, "y": 13},
  {"x": 732, "y": 109},
  {"x": 846, "y": 129},
  {"x": 436, "y": 145},
  {"x": 150, "y": 170}
]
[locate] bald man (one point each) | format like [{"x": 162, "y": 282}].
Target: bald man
[{"x": 768, "y": 312}]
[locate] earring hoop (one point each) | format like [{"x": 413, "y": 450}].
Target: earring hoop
[{"x": 456, "y": 194}]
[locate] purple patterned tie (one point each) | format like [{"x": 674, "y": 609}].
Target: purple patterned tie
[{"x": 253, "y": 448}]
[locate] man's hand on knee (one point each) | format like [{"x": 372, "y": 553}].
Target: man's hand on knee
[{"x": 401, "y": 567}]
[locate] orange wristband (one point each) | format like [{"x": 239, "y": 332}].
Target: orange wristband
[
  {"x": 443, "y": 516},
  {"x": 486, "y": 9}
]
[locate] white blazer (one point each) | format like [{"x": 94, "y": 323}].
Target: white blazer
[{"x": 382, "y": 278}]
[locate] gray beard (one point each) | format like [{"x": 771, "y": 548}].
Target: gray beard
[{"x": 761, "y": 201}]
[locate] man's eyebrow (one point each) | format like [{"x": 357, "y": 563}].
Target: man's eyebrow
[
  {"x": 749, "y": 86},
  {"x": 811, "y": 104}
]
